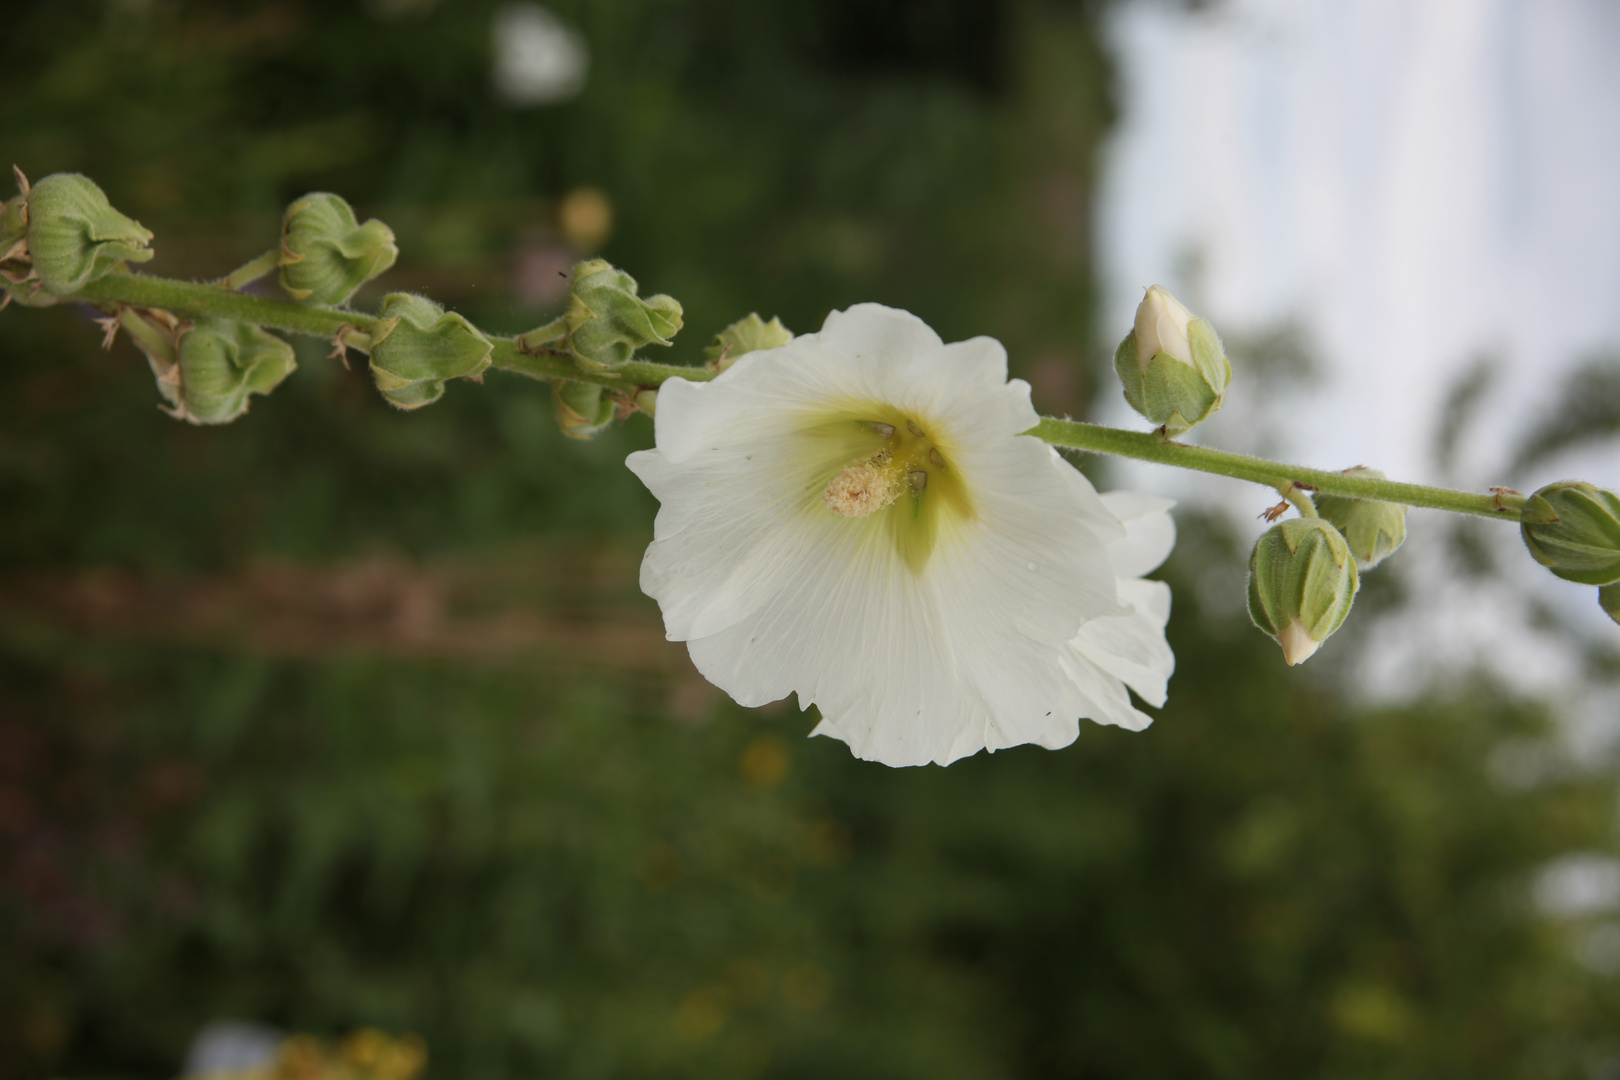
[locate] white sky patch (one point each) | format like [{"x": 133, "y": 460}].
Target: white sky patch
[
  {"x": 538, "y": 59},
  {"x": 1578, "y": 885},
  {"x": 1421, "y": 184}
]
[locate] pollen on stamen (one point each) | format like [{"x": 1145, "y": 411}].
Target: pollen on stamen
[{"x": 861, "y": 489}]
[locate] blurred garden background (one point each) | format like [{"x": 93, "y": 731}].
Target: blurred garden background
[{"x": 342, "y": 718}]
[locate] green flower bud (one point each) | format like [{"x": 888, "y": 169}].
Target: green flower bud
[
  {"x": 417, "y": 346},
  {"x": 744, "y": 336},
  {"x": 1609, "y": 601},
  {"x": 583, "y": 409},
  {"x": 75, "y": 236},
  {"x": 1173, "y": 365},
  {"x": 326, "y": 254},
  {"x": 1573, "y": 529},
  {"x": 221, "y": 363},
  {"x": 607, "y": 321},
  {"x": 1373, "y": 529},
  {"x": 1302, "y": 580}
]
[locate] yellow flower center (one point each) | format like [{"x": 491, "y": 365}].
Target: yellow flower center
[{"x": 904, "y": 471}]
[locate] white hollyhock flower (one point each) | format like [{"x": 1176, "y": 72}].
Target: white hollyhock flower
[{"x": 856, "y": 517}]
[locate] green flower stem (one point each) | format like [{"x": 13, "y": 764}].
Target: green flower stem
[
  {"x": 151, "y": 339},
  {"x": 534, "y": 359},
  {"x": 195, "y": 298},
  {"x": 250, "y": 272},
  {"x": 1146, "y": 446}
]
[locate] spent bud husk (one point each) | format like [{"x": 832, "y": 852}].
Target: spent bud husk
[
  {"x": 326, "y": 254},
  {"x": 607, "y": 321},
  {"x": 75, "y": 236},
  {"x": 417, "y": 346}
]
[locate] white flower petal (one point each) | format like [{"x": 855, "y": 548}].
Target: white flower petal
[
  {"x": 1131, "y": 647},
  {"x": 1150, "y": 531},
  {"x": 1103, "y": 697},
  {"x": 913, "y": 654}
]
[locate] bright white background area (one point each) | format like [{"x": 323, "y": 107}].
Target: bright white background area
[{"x": 1418, "y": 183}]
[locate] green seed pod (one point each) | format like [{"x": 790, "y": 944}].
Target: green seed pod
[
  {"x": 744, "y": 336},
  {"x": 1573, "y": 529},
  {"x": 607, "y": 322},
  {"x": 221, "y": 363},
  {"x": 75, "y": 236},
  {"x": 1302, "y": 581},
  {"x": 1173, "y": 365},
  {"x": 1373, "y": 529},
  {"x": 326, "y": 254},
  {"x": 417, "y": 346},
  {"x": 583, "y": 409}
]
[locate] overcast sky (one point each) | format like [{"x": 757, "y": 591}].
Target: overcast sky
[{"x": 1420, "y": 183}]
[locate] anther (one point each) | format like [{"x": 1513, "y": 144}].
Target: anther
[
  {"x": 919, "y": 479},
  {"x": 915, "y": 430},
  {"x": 935, "y": 458}
]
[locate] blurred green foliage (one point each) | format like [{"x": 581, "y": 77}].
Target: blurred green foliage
[{"x": 561, "y": 857}]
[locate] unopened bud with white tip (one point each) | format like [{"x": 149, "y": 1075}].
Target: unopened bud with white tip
[
  {"x": 1172, "y": 364},
  {"x": 1302, "y": 581}
]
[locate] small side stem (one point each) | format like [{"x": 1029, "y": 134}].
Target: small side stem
[
  {"x": 1145, "y": 446},
  {"x": 250, "y": 272},
  {"x": 1300, "y": 498},
  {"x": 152, "y": 341}
]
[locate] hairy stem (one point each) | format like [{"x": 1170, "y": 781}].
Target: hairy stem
[
  {"x": 529, "y": 354},
  {"x": 1145, "y": 446},
  {"x": 1300, "y": 498}
]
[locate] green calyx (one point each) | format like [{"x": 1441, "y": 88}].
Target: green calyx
[
  {"x": 1573, "y": 529},
  {"x": 1172, "y": 393},
  {"x": 417, "y": 346},
  {"x": 14, "y": 228},
  {"x": 1302, "y": 581},
  {"x": 583, "y": 410},
  {"x": 607, "y": 322},
  {"x": 1609, "y": 601},
  {"x": 221, "y": 363},
  {"x": 744, "y": 336},
  {"x": 1373, "y": 529},
  {"x": 75, "y": 236},
  {"x": 326, "y": 254}
]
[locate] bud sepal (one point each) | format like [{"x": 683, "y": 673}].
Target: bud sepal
[
  {"x": 583, "y": 410},
  {"x": 607, "y": 321},
  {"x": 326, "y": 254},
  {"x": 1302, "y": 582},
  {"x": 417, "y": 346},
  {"x": 751, "y": 334},
  {"x": 1609, "y": 601},
  {"x": 1573, "y": 529},
  {"x": 1373, "y": 529}
]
